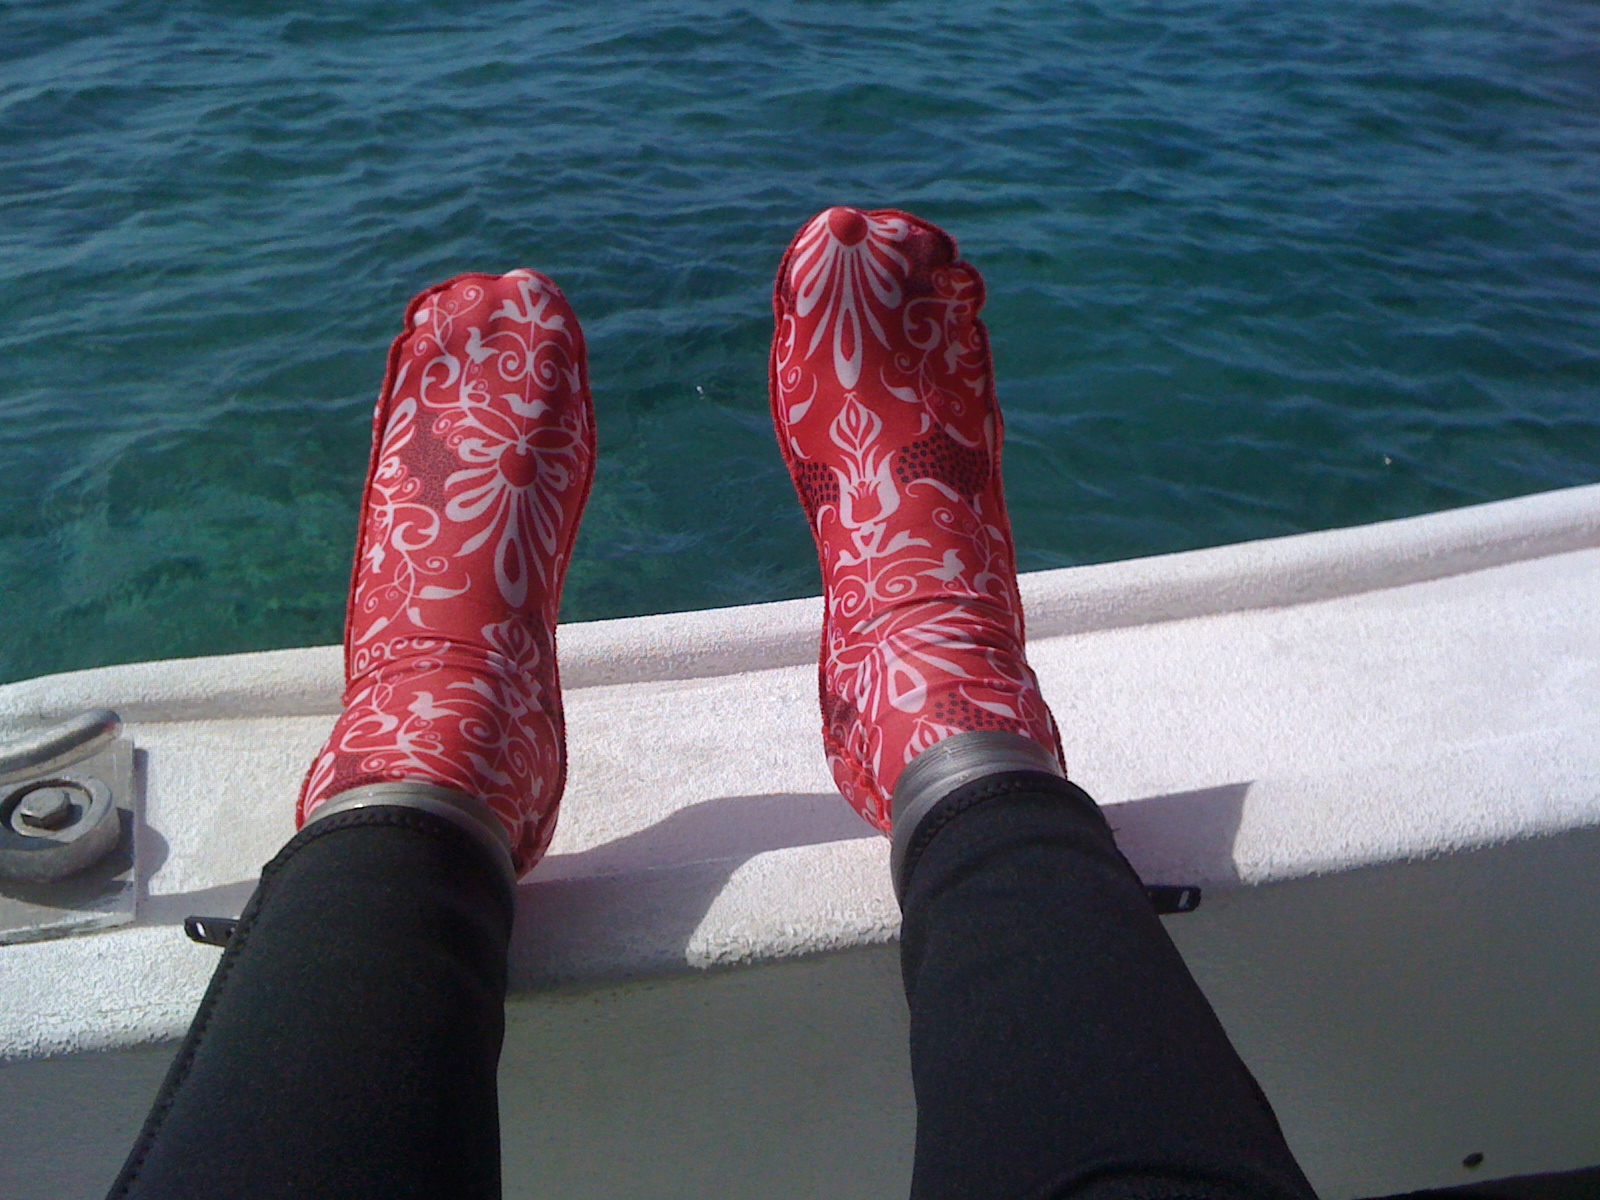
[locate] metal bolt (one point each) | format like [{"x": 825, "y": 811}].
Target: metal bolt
[{"x": 50, "y": 807}]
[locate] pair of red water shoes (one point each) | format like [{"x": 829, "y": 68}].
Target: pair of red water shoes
[{"x": 883, "y": 397}]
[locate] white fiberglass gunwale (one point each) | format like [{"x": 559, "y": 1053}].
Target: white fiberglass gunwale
[{"x": 1167, "y": 675}]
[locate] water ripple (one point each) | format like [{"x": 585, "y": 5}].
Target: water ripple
[{"x": 1254, "y": 267}]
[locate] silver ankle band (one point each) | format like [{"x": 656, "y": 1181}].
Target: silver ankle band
[
  {"x": 465, "y": 812},
  {"x": 955, "y": 762}
]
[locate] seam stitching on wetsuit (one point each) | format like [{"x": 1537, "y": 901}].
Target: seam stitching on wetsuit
[{"x": 419, "y": 822}]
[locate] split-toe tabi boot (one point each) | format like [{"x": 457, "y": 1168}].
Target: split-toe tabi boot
[
  {"x": 483, "y": 454},
  {"x": 883, "y": 396}
]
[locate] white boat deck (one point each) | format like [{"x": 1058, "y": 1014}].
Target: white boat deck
[{"x": 1377, "y": 748}]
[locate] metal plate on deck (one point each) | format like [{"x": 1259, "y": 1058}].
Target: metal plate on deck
[{"x": 103, "y": 893}]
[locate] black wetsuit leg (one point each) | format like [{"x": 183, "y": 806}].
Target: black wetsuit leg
[
  {"x": 1059, "y": 1046},
  {"x": 348, "y": 1044}
]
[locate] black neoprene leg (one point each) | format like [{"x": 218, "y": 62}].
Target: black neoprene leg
[
  {"x": 348, "y": 1044},
  {"x": 1059, "y": 1046}
]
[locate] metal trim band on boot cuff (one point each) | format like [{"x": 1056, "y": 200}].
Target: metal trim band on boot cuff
[
  {"x": 953, "y": 763},
  {"x": 463, "y": 811}
]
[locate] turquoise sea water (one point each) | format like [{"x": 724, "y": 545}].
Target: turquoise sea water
[{"x": 1256, "y": 267}]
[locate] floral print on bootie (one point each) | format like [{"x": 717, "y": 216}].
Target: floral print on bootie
[
  {"x": 883, "y": 396},
  {"x": 483, "y": 454}
]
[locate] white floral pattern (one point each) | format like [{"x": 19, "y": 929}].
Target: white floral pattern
[
  {"x": 844, "y": 275},
  {"x": 483, "y": 457},
  {"x": 893, "y": 436}
]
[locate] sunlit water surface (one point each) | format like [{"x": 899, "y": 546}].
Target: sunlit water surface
[{"x": 1255, "y": 266}]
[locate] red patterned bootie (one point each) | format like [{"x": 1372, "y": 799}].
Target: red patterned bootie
[
  {"x": 883, "y": 397},
  {"x": 483, "y": 452}
]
